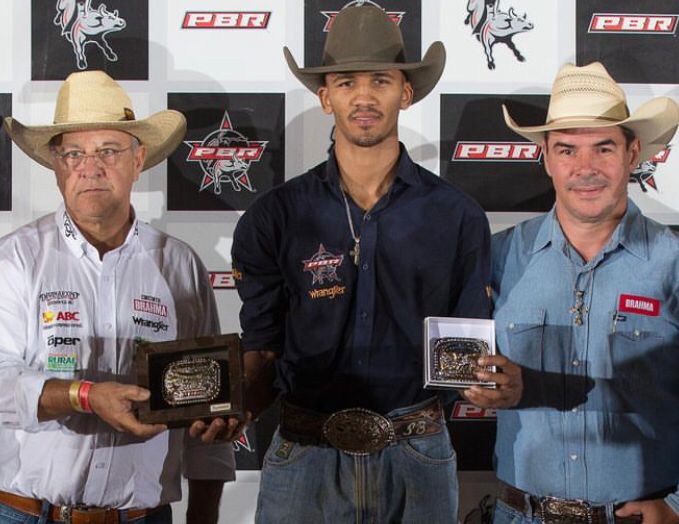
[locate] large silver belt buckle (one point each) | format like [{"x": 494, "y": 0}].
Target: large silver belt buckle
[
  {"x": 358, "y": 431},
  {"x": 560, "y": 511},
  {"x": 190, "y": 381}
]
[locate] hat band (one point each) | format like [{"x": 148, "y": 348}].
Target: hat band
[{"x": 567, "y": 119}]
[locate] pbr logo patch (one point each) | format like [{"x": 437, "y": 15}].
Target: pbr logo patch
[
  {"x": 323, "y": 266},
  {"x": 481, "y": 156},
  {"x": 234, "y": 150},
  {"x": 71, "y": 35},
  {"x": 319, "y": 16},
  {"x": 225, "y": 156},
  {"x": 636, "y": 41},
  {"x": 490, "y": 25}
]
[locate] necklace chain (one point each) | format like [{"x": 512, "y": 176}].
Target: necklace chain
[{"x": 356, "y": 252}]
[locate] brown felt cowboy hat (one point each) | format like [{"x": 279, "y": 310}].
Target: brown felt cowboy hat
[
  {"x": 93, "y": 100},
  {"x": 587, "y": 96},
  {"x": 364, "y": 38}
]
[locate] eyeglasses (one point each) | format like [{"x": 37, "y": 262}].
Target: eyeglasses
[{"x": 107, "y": 156}]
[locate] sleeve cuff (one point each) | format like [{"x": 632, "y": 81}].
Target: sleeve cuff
[{"x": 29, "y": 387}]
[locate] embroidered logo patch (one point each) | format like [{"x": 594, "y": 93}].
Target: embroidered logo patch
[
  {"x": 639, "y": 305},
  {"x": 62, "y": 361},
  {"x": 323, "y": 266}
]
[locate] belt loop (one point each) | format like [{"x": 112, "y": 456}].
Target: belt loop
[
  {"x": 528, "y": 504},
  {"x": 44, "y": 512},
  {"x": 610, "y": 513},
  {"x": 122, "y": 516}
]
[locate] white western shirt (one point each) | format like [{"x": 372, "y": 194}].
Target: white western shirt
[{"x": 66, "y": 314}]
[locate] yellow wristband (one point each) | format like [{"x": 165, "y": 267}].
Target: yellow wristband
[{"x": 73, "y": 396}]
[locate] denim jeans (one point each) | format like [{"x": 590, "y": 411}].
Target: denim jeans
[
  {"x": 412, "y": 481},
  {"x": 12, "y": 516},
  {"x": 505, "y": 514}
]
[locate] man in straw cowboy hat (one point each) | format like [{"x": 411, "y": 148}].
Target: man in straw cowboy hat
[
  {"x": 586, "y": 304},
  {"x": 337, "y": 269},
  {"x": 80, "y": 287}
]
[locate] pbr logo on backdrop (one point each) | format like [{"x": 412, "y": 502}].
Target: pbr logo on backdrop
[
  {"x": 644, "y": 174},
  {"x": 5, "y": 156},
  {"x": 482, "y": 156},
  {"x": 320, "y": 14},
  {"x": 636, "y": 41},
  {"x": 234, "y": 150},
  {"x": 77, "y": 35},
  {"x": 491, "y": 25}
]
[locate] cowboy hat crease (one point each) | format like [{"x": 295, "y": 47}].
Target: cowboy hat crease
[
  {"x": 587, "y": 97},
  {"x": 93, "y": 100},
  {"x": 364, "y": 38}
]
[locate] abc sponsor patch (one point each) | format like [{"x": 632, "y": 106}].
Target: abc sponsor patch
[{"x": 234, "y": 150}]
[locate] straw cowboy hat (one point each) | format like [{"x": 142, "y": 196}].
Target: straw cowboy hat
[
  {"x": 93, "y": 100},
  {"x": 587, "y": 96},
  {"x": 364, "y": 38}
]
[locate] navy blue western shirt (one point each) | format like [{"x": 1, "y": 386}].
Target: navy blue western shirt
[{"x": 347, "y": 335}]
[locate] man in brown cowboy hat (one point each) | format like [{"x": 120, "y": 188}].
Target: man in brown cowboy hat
[
  {"x": 337, "y": 269},
  {"x": 586, "y": 304},
  {"x": 80, "y": 288}
]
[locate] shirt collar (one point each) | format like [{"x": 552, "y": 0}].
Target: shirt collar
[
  {"x": 630, "y": 233},
  {"x": 406, "y": 170},
  {"x": 76, "y": 241}
]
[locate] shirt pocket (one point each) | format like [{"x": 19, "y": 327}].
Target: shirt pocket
[
  {"x": 638, "y": 350},
  {"x": 525, "y": 336}
]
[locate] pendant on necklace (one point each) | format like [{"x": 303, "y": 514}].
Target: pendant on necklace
[{"x": 356, "y": 252}]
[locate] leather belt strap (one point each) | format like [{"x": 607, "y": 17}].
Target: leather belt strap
[
  {"x": 554, "y": 510},
  {"x": 72, "y": 514},
  {"x": 357, "y": 430}
]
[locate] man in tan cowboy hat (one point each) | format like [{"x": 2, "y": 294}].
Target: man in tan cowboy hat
[
  {"x": 337, "y": 269},
  {"x": 586, "y": 303},
  {"x": 80, "y": 288}
]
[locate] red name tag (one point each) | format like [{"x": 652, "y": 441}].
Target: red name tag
[{"x": 639, "y": 305}]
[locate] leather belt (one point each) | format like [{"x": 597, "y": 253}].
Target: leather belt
[
  {"x": 358, "y": 431},
  {"x": 553, "y": 510},
  {"x": 72, "y": 514}
]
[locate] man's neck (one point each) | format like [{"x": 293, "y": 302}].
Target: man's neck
[
  {"x": 366, "y": 173},
  {"x": 105, "y": 235},
  {"x": 588, "y": 238}
]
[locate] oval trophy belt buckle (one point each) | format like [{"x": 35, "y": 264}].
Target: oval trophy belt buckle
[
  {"x": 358, "y": 431},
  {"x": 190, "y": 381}
]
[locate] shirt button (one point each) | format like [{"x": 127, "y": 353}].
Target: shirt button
[
  {"x": 511, "y": 325},
  {"x": 360, "y": 362},
  {"x": 364, "y": 315},
  {"x": 367, "y": 217},
  {"x": 99, "y": 465},
  {"x": 574, "y": 457},
  {"x": 365, "y": 267},
  {"x": 108, "y": 326},
  {"x": 574, "y": 410},
  {"x": 637, "y": 333},
  {"x": 576, "y": 363}
]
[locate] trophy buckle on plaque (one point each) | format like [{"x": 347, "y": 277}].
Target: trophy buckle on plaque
[
  {"x": 452, "y": 348},
  {"x": 190, "y": 379}
]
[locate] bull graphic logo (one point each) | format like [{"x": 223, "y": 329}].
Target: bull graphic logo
[
  {"x": 225, "y": 156},
  {"x": 644, "y": 173},
  {"x": 490, "y": 26},
  {"x": 82, "y": 25}
]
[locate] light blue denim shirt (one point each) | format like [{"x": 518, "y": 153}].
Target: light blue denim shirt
[{"x": 599, "y": 344}]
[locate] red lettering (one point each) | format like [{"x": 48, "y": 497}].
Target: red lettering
[{"x": 633, "y": 23}]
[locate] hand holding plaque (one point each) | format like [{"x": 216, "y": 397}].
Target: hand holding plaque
[{"x": 190, "y": 379}]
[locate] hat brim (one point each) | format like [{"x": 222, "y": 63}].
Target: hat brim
[
  {"x": 423, "y": 75},
  {"x": 653, "y": 123},
  {"x": 160, "y": 133}
]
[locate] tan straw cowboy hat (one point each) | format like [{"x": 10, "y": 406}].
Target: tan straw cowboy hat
[
  {"x": 587, "y": 96},
  {"x": 364, "y": 38},
  {"x": 93, "y": 100}
]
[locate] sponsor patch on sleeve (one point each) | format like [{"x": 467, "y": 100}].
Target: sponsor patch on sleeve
[{"x": 639, "y": 305}]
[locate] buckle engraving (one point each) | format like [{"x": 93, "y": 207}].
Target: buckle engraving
[
  {"x": 358, "y": 431},
  {"x": 191, "y": 381}
]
